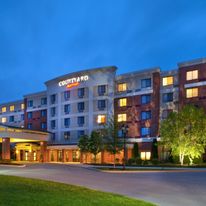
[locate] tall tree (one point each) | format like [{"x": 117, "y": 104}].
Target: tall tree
[
  {"x": 84, "y": 145},
  {"x": 135, "y": 151},
  {"x": 185, "y": 133}
]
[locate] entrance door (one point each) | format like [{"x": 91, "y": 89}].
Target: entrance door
[{"x": 21, "y": 155}]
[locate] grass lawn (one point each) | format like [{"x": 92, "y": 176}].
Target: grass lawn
[{"x": 23, "y": 191}]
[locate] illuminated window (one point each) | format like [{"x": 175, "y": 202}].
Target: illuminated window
[
  {"x": 145, "y": 155},
  {"x": 22, "y": 106},
  {"x": 11, "y": 108},
  {"x": 122, "y": 117},
  {"x": 167, "y": 81},
  {"x": 123, "y": 102},
  {"x": 3, "y": 109},
  {"x": 3, "y": 119},
  {"x": 192, "y": 75},
  {"x": 122, "y": 87},
  {"x": 193, "y": 92},
  {"x": 101, "y": 119}
]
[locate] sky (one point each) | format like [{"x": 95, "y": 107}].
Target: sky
[{"x": 44, "y": 39}]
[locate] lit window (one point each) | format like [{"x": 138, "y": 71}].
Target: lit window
[
  {"x": 22, "y": 106},
  {"x": 3, "y": 109},
  {"x": 3, "y": 119},
  {"x": 101, "y": 119},
  {"x": 122, "y": 87},
  {"x": 123, "y": 102},
  {"x": 193, "y": 92},
  {"x": 167, "y": 81},
  {"x": 192, "y": 75},
  {"x": 11, "y": 108},
  {"x": 122, "y": 118},
  {"x": 145, "y": 155}
]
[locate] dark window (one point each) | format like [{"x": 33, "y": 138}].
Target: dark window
[
  {"x": 30, "y": 103},
  {"x": 146, "y": 83},
  {"x": 67, "y": 122},
  {"x": 67, "y": 135},
  {"x": 146, "y": 99},
  {"x": 101, "y": 90},
  {"x": 101, "y": 104},
  {"x": 53, "y": 124},
  {"x": 66, "y": 95},
  {"x": 145, "y": 131},
  {"x": 43, "y": 101},
  {"x": 43, "y": 125},
  {"x": 22, "y": 117},
  {"x": 43, "y": 113},
  {"x": 53, "y": 111},
  {"x": 80, "y": 106},
  {"x": 145, "y": 115},
  {"x": 11, "y": 119},
  {"x": 53, "y": 98},
  {"x": 53, "y": 136},
  {"x": 167, "y": 97},
  {"x": 80, "y": 133},
  {"x": 80, "y": 121},
  {"x": 29, "y": 125},
  {"x": 66, "y": 108},
  {"x": 29, "y": 115},
  {"x": 81, "y": 92}
]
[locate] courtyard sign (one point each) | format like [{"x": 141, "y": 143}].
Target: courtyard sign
[{"x": 73, "y": 81}]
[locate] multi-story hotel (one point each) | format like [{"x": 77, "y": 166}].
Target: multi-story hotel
[{"x": 51, "y": 122}]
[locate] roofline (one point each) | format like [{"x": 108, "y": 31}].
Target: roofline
[
  {"x": 35, "y": 94},
  {"x": 12, "y": 102},
  {"x": 192, "y": 62},
  {"x": 113, "y": 68}
]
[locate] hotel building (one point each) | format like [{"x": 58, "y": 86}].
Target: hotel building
[{"x": 78, "y": 103}]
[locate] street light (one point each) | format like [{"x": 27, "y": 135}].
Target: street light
[{"x": 124, "y": 133}]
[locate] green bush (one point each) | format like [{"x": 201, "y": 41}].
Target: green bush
[
  {"x": 138, "y": 161},
  {"x": 131, "y": 161}
]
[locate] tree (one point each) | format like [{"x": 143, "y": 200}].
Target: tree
[
  {"x": 84, "y": 145},
  {"x": 113, "y": 144},
  {"x": 135, "y": 151},
  {"x": 95, "y": 143},
  {"x": 154, "y": 149},
  {"x": 185, "y": 133}
]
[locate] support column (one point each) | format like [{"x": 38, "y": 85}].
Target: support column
[
  {"x": 43, "y": 152},
  {"x": 6, "y": 149}
]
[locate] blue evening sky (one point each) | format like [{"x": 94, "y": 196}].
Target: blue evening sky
[{"x": 43, "y": 39}]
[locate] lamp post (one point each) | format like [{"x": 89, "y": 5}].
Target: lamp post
[{"x": 124, "y": 133}]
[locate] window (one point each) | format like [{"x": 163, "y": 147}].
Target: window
[
  {"x": 146, "y": 83},
  {"x": 101, "y": 90},
  {"x": 22, "y": 106},
  {"x": 53, "y": 124},
  {"x": 101, "y": 104},
  {"x": 145, "y": 155},
  {"x": 53, "y": 136},
  {"x": 80, "y": 106},
  {"x": 67, "y": 135},
  {"x": 122, "y": 117},
  {"x": 11, "y": 108},
  {"x": 66, "y": 95},
  {"x": 101, "y": 119},
  {"x": 193, "y": 92},
  {"x": 122, "y": 87},
  {"x": 43, "y": 101},
  {"x": 80, "y": 133},
  {"x": 29, "y": 126},
  {"x": 67, "y": 122},
  {"x": 30, "y": 103},
  {"x": 3, "y": 119},
  {"x": 167, "y": 97},
  {"x": 43, "y": 113},
  {"x": 123, "y": 102},
  {"x": 66, "y": 108},
  {"x": 43, "y": 125},
  {"x": 11, "y": 119},
  {"x": 22, "y": 117},
  {"x": 53, "y": 98},
  {"x": 80, "y": 121},
  {"x": 3, "y": 109},
  {"x": 146, "y": 99},
  {"x": 145, "y": 131},
  {"x": 29, "y": 115},
  {"x": 120, "y": 134},
  {"x": 145, "y": 115},
  {"x": 81, "y": 92},
  {"x": 192, "y": 75},
  {"x": 53, "y": 111},
  {"x": 167, "y": 81}
]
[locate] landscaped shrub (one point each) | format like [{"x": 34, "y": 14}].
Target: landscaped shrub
[
  {"x": 155, "y": 161},
  {"x": 131, "y": 161},
  {"x": 138, "y": 161}
]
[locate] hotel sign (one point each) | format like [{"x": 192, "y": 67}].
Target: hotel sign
[{"x": 73, "y": 81}]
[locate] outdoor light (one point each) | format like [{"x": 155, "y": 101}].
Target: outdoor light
[{"x": 17, "y": 152}]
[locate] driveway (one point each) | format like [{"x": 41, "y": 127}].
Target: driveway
[{"x": 167, "y": 188}]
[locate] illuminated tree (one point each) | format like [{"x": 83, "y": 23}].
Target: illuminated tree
[{"x": 84, "y": 145}]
